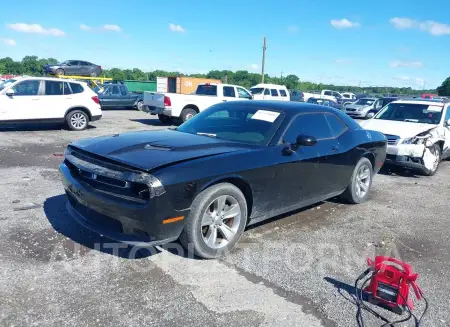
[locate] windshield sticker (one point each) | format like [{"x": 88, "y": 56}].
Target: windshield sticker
[
  {"x": 434, "y": 108},
  {"x": 265, "y": 115}
]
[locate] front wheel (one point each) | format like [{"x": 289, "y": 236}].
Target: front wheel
[
  {"x": 59, "y": 72},
  {"x": 360, "y": 183},
  {"x": 432, "y": 159},
  {"x": 216, "y": 222}
]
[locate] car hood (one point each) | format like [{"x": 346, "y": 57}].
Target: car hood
[
  {"x": 400, "y": 128},
  {"x": 148, "y": 150}
]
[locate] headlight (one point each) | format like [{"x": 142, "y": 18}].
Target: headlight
[
  {"x": 154, "y": 184},
  {"x": 414, "y": 140}
]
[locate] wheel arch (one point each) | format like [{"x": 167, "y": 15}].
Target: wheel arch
[
  {"x": 81, "y": 108},
  {"x": 192, "y": 106},
  {"x": 241, "y": 184}
]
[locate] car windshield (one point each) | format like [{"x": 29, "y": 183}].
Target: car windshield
[
  {"x": 206, "y": 89},
  {"x": 315, "y": 101},
  {"x": 414, "y": 113},
  {"x": 257, "y": 90},
  {"x": 235, "y": 123},
  {"x": 6, "y": 83},
  {"x": 365, "y": 102}
]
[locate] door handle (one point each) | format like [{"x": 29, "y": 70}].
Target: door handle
[
  {"x": 334, "y": 148},
  {"x": 68, "y": 98},
  {"x": 34, "y": 99},
  {"x": 224, "y": 100}
]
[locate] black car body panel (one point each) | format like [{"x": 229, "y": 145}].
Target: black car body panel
[{"x": 186, "y": 164}]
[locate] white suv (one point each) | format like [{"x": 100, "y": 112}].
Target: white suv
[
  {"x": 42, "y": 99},
  {"x": 417, "y": 132}
]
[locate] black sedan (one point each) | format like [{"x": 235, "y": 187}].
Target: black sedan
[{"x": 232, "y": 165}]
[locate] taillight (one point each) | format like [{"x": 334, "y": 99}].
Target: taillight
[
  {"x": 167, "y": 102},
  {"x": 100, "y": 67},
  {"x": 95, "y": 99}
]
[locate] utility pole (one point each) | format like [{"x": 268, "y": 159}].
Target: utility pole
[
  {"x": 281, "y": 75},
  {"x": 263, "y": 60}
]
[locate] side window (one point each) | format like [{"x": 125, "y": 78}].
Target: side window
[
  {"x": 346, "y": 96},
  {"x": 283, "y": 93},
  {"x": 123, "y": 90},
  {"x": 74, "y": 62},
  {"x": 67, "y": 88},
  {"x": 76, "y": 88},
  {"x": 308, "y": 124},
  {"x": 114, "y": 90},
  {"x": 54, "y": 88},
  {"x": 27, "y": 88},
  {"x": 243, "y": 94},
  {"x": 266, "y": 92},
  {"x": 228, "y": 91},
  {"x": 84, "y": 63},
  {"x": 274, "y": 92},
  {"x": 327, "y": 93},
  {"x": 337, "y": 127}
]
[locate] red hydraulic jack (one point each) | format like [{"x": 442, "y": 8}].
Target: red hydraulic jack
[{"x": 389, "y": 283}]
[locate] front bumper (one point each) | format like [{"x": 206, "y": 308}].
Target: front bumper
[
  {"x": 407, "y": 155},
  {"x": 139, "y": 224},
  {"x": 157, "y": 111},
  {"x": 356, "y": 114}
]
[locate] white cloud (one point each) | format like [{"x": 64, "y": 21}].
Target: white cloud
[
  {"x": 411, "y": 64},
  {"x": 254, "y": 67},
  {"x": 429, "y": 26},
  {"x": 293, "y": 29},
  {"x": 35, "y": 29},
  {"x": 176, "y": 28},
  {"x": 343, "y": 23},
  {"x": 112, "y": 28},
  {"x": 9, "y": 42},
  {"x": 402, "y": 23},
  {"x": 85, "y": 27}
]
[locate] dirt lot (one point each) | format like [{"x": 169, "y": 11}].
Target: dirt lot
[{"x": 296, "y": 270}]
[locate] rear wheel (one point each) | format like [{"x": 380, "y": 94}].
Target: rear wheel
[
  {"x": 216, "y": 222},
  {"x": 165, "y": 119},
  {"x": 360, "y": 183},
  {"x": 77, "y": 120},
  {"x": 187, "y": 114},
  {"x": 59, "y": 71},
  {"x": 140, "y": 105},
  {"x": 93, "y": 74}
]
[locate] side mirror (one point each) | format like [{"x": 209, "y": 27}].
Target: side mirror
[
  {"x": 10, "y": 92},
  {"x": 306, "y": 140}
]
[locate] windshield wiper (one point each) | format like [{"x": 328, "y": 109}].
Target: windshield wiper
[{"x": 207, "y": 134}]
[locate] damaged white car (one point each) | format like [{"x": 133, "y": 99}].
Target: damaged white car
[{"x": 417, "y": 131}]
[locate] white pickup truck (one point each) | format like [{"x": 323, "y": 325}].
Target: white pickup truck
[
  {"x": 324, "y": 94},
  {"x": 185, "y": 106}
]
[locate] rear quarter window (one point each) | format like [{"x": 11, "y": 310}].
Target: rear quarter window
[
  {"x": 76, "y": 88},
  {"x": 274, "y": 92},
  {"x": 337, "y": 127},
  {"x": 283, "y": 93}
]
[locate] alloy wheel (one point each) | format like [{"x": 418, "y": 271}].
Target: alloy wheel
[
  {"x": 362, "y": 181},
  {"x": 78, "y": 120},
  {"x": 220, "y": 221}
]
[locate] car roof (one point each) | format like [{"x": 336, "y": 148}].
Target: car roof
[
  {"x": 52, "y": 79},
  {"x": 431, "y": 102},
  {"x": 269, "y": 85}
]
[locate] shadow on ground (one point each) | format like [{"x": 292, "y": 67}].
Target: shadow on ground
[
  {"x": 62, "y": 222},
  {"x": 151, "y": 122},
  {"x": 35, "y": 127}
]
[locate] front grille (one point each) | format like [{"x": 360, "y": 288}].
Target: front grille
[
  {"x": 99, "y": 175},
  {"x": 351, "y": 109},
  {"x": 392, "y": 139}
]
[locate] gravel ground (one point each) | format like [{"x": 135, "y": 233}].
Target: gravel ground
[{"x": 295, "y": 270}]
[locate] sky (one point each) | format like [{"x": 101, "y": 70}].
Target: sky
[{"x": 367, "y": 43}]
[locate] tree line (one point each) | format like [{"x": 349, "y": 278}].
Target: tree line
[{"x": 32, "y": 65}]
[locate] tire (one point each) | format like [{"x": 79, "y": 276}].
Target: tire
[
  {"x": 93, "y": 74},
  {"x": 198, "y": 233},
  {"x": 77, "y": 120},
  {"x": 140, "y": 105},
  {"x": 187, "y": 114},
  {"x": 165, "y": 119},
  {"x": 59, "y": 71},
  {"x": 353, "y": 192},
  {"x": 437, "y": 150}
]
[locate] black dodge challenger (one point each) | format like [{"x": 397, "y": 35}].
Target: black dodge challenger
[{"x": 232, "y": 165}]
